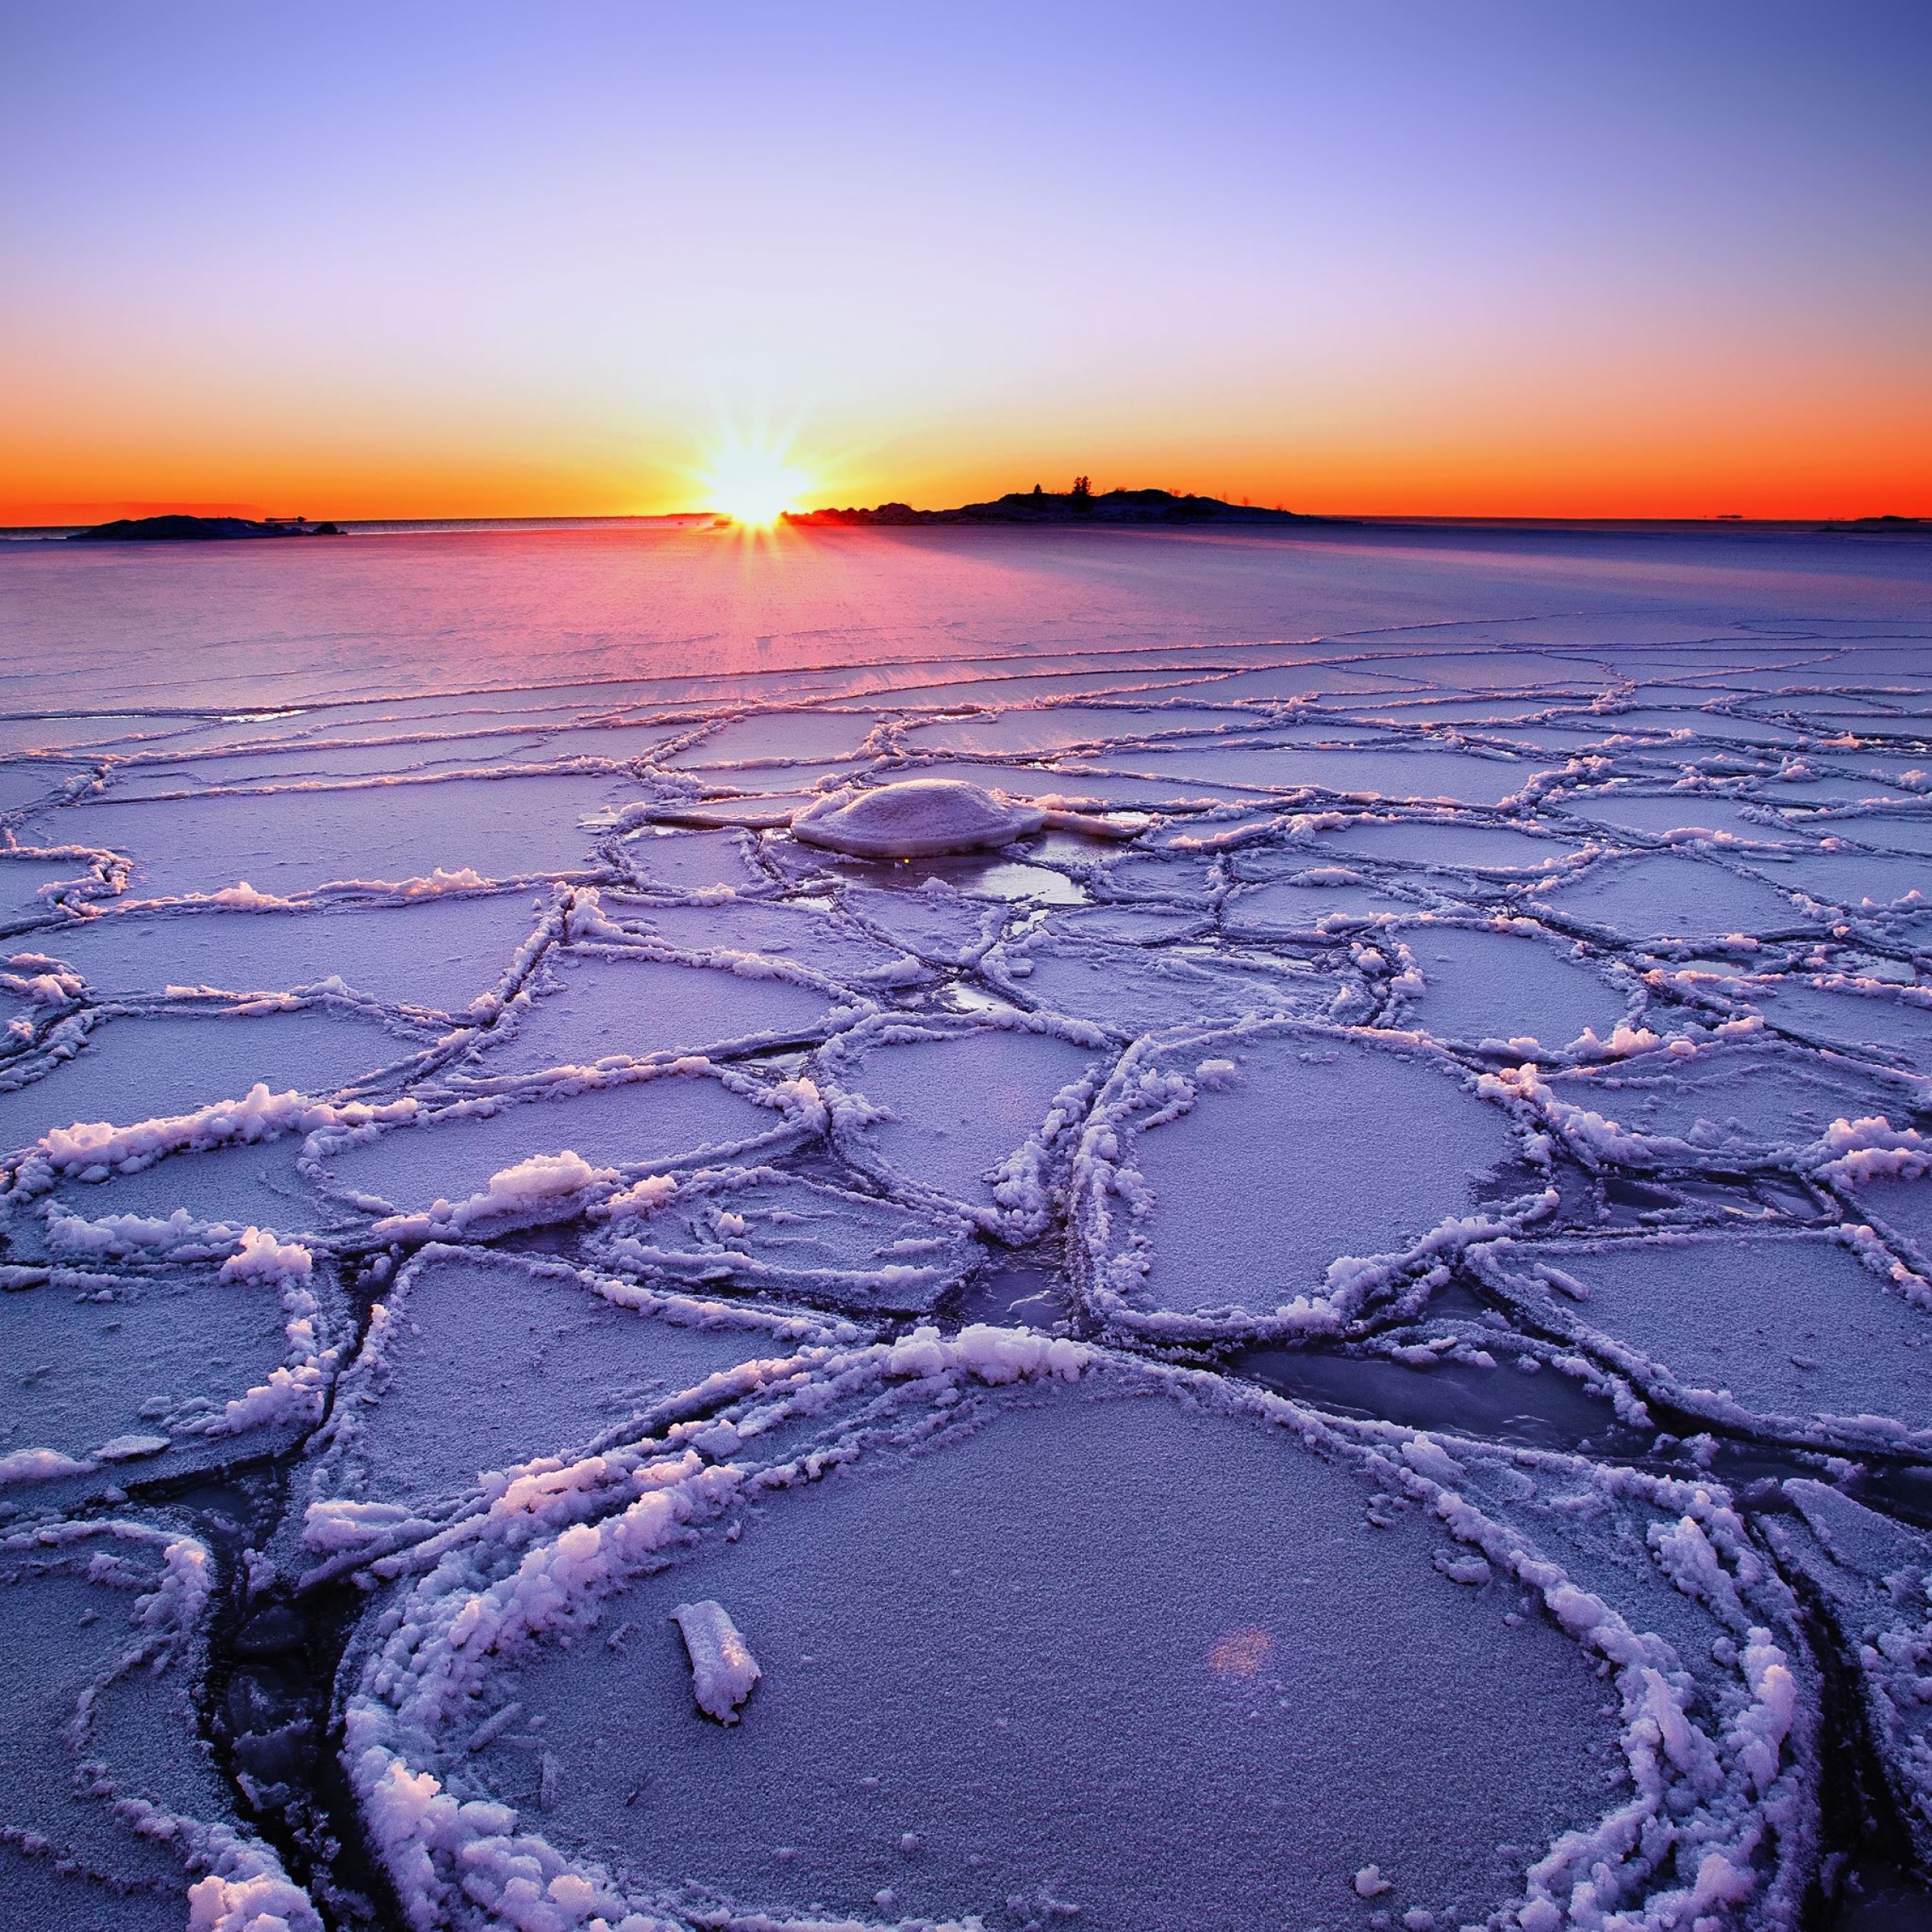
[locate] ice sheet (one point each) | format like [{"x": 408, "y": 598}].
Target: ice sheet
[
  {"x": 590, "y": 1007},
  {"x": 625, "y": 1124},
  {"x": 1673, "y": 895},
  {"x": 1481, "y": 984},
  {"x": 475, "y": 1363},
  {"x": 285, "y": 843},
  {"x": 976, "y": 1113},
  {"x": 111, "y": 1811},
  {"x": 1071, "y": 1608},
  {"x": 949, "y": 1740}
]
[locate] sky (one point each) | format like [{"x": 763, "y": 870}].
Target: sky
[{"x": 486, "y": 260}]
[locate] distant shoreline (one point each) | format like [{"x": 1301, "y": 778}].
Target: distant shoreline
[{"x": 673, "y": 522}]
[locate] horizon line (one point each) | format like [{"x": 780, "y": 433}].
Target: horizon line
[{"x": 111, "y": 513}]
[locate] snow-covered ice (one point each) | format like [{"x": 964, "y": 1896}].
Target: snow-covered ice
[{"x": 532, "y": 1101}]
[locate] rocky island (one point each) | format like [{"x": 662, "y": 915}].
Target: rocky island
[
  {"x": 1079, "y": 504},
  {"x": 183, "y": 528}
]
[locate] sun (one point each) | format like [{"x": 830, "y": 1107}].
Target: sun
[{"x": 754, "y": 484}]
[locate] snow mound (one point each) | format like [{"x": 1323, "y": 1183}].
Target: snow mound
[{"x": 918, "y": 817}]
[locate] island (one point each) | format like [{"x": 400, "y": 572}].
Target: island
[
  {"x": 182, "y": 529},
  {"x": 1080, "y": 504}
]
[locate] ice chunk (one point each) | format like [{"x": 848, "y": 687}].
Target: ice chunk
[
  {"x": 722, "y": 1669},
  {"x": 1688, "y": 814},
  {"x": 1461, "y": 777},
  {"x": 29, "y": 882},
  {"x": 1903, "y": 1204},
  {"x": 777, "y": 736},
  {"x": 1055, "y": 728},
  {"x": 1858, "y": 880},
  {"x": 258, "y": 1181},
  {"x": 1858, "y": 1016},
  {"x": 937, "y": 922},
  {"x": 1319, "y": 898}
]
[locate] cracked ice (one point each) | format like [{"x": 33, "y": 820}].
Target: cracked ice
[{"x": 995, "y": 1267}]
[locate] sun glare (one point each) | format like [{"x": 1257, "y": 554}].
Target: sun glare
[{"x": 754, "y": 486}]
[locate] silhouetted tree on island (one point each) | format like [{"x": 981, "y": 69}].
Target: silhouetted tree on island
[{"x": 1082, "y": 491}]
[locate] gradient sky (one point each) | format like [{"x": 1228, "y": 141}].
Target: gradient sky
[{"x": 1555, "y": 258}]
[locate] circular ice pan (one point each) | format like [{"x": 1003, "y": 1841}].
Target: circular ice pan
[
  {"x": 1274, "y": 1180},
  {"x": 1012, "y": 1620}
]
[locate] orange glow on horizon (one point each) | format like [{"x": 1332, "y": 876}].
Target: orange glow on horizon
[{"x": 1605, "y": 456}]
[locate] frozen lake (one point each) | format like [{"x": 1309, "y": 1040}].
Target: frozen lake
[{"x": 1316, "y": 1314}]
